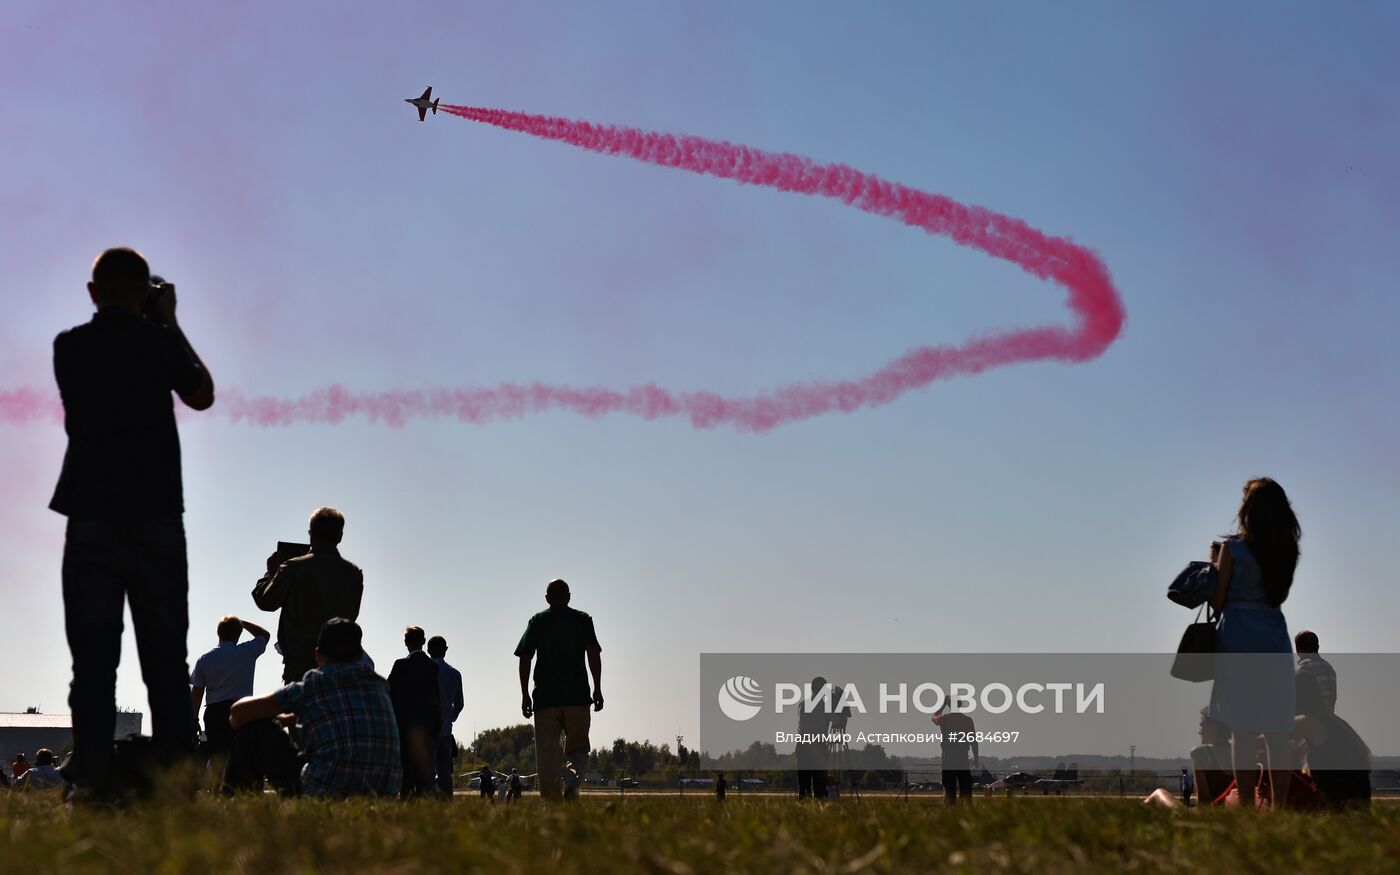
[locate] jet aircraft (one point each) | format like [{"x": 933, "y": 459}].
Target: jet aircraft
[{"x": 424, "y": 103}]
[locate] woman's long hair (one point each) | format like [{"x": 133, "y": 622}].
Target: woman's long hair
[{"x": 1271, "y": 531}]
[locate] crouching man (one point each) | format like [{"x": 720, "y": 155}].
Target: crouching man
[{"x": 344, "y": 719}]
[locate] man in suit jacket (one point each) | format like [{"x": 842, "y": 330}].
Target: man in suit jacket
[
  {"x": 413, "y": 686},
  {"x": 450, "y": 698},
  {"x": 310, "y": 589}
]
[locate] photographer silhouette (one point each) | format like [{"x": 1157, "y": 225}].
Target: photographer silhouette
[{"x": 122, "y": 492}]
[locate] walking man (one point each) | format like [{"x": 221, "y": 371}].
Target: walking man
[
  {"x": 121, "y": 490},
  {"x": 450, "y": 698},
  {"x": 223, "y": 676},
  {"x": 563, "y": 639}
]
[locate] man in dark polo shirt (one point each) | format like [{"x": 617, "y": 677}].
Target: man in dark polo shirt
[
  {"x": 563, "y": 638},
  {"x": 310, "y": 590},
  {"x": 121, "y": 490}
]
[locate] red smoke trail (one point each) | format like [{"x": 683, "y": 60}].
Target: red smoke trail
[
  {"x": 1098, "y": 312},
  {"x": 20, "y": 406}
]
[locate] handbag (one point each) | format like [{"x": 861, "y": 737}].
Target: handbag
[
  {"x": 1194, "y": 585},
  {"x": 1195, "y": 655}
]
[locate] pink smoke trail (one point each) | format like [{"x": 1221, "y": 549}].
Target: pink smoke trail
[
  {"x": 21, "y": 406},
  {"x": 1098, "y": 311}
]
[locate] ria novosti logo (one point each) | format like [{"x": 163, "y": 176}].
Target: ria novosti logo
[{"x": 740, "y": 698}]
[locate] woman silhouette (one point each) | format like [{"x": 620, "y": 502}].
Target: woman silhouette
[{"x": 1254, "y": 689}]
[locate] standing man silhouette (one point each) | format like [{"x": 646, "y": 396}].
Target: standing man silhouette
[
  {"x": 959, "y": 734},
  {"x": 310, "y": 590},
  {"x": 225, "y": 674},
  {"x": 122, "y": 492},
  {"x": 563, "y": 638},
  {"x": 450, "y": 699},
  {"x": 413, "y": 687}
]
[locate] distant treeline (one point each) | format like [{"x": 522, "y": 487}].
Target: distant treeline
[{"x": 514, "y": 747}]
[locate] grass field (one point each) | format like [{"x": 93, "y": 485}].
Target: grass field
[{"x": 672, "y": 835}]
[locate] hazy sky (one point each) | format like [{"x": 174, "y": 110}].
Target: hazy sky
[{"x": 1235, "y": 169}]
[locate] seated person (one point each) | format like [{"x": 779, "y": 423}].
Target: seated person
[
  {"x": 42, "y": 776},
  {"x": 344, "y": 720},
  {"x": 1337, "y": 759},
  {"x": 1334, "y": 765},
  {"x": 1302, "y": 794},
  {"x": 1210, "y": 763}
]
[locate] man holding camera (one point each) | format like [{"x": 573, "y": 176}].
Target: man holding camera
[
  {"x": 959, "y": 734},
  {"x": 814, "y": 722},
  {"x": 122, "y": 492}
]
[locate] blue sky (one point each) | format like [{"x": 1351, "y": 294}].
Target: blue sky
[{"x": 1234, "y": 168}]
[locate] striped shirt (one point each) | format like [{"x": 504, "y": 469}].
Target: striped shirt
[
  {"x": 347, "y": 729},
  {"x": 1320, "y": 670}
]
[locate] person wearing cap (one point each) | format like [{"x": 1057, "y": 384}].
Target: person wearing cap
[
  {"x": 563, "y": 638},
  {"x": 344, "y": 718}
]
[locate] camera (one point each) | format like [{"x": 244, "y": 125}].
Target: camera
[{"x": 159, "y": 287}]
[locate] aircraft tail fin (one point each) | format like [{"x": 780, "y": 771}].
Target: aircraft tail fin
[{"x": 435, "y": 103}]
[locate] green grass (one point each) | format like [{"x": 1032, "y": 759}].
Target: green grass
[{"x": 671, "y": 835}]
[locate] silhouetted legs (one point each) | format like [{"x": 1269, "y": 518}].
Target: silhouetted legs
[
  {"x": 957, "y": 782},
  {"x": 415, "y": 744},
  {"x": 261, "y": 750},
  {"x": 445, "y": 746},
  {"x": 572, "y": 722},
  {"x": 106, "y": 563}
]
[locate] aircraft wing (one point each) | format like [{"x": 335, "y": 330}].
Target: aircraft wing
[
  {"x": 428, "y": 93},
  {"x": 423, "y": 111}
]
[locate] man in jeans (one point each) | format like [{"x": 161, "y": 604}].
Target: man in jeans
[
  {"x": 225, "y": 674},
  {"x": 121, "y": 490},
  {"x": 563, "y": 638}
]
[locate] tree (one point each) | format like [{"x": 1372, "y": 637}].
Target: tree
[{"x": 504, "y": 748}]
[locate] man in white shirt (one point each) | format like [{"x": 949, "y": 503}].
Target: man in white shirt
[
  {"x": 223, "y": 676},
  {"x": 43, "y": 776},
  {"x": 450, "y": 697}
]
